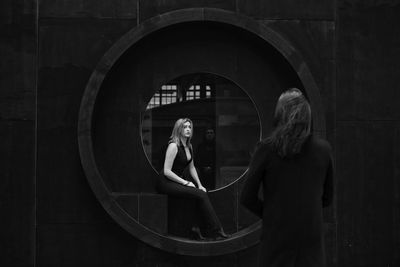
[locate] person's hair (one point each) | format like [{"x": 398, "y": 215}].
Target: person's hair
[
  {"x": 292, "y": 123},
  {"x": 177, "y": 132}
]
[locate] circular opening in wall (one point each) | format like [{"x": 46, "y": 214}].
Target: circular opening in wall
[
  {"x": 226, "y": 125},
  {"x": 116, "y": 102}
]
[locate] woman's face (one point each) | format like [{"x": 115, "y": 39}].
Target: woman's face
[{"x": 187, "y": 129}]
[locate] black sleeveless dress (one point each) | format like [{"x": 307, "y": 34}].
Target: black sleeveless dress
[{"x": 181, "y": 163}]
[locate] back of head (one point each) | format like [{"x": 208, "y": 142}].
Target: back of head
[{"x": 292, "y": 123}]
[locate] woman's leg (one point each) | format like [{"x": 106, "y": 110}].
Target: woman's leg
[{"x": 207, "y": 213}]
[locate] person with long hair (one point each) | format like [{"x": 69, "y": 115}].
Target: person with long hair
[
  {"x": 179, "y": 178},
  {"x": 295, "y": 171}
]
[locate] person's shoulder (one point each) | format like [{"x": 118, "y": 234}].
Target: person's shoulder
[
  {"x": 320, "y": 143},
  {"x": 263, "y": 146},
  {"x": 172, "y": 145}
]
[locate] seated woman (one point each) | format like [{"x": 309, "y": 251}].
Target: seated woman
[{"x": 179, "y": 158}]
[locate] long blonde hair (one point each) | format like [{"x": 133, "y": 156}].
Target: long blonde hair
[
  {"x": 292, "y": 123},
  {"x": 177, "y": 132}
]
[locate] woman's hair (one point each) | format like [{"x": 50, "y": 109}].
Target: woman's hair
[
  {"x": 177, "y": 132},
  {"x": 292, "y": 123}
]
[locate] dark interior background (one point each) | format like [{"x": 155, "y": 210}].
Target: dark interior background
[{"x": 50, "y": 217}]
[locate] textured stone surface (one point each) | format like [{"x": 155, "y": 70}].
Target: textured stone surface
[
  {"x": 116, "y": 9},
  {"x": 286, "y": 9},
  {"x": 367, "y": 133},
  {"x": 18, "y": 52},
  {"x": 85, "y": 245},
  {"x": 153, "y": 212},
  {"x": 367, "y": 193},
  {"x": 68, "y": 50},
  {"x": 148, "y": 9},
  {"x": 17, "y": 234},
  {"x": 368, "y": 64}
]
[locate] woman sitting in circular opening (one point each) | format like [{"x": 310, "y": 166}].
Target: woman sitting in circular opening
[{"x": 179, "y": 178}]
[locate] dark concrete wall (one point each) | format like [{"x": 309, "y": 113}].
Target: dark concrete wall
[
  {"x": 368, "y": 133},
  {"x": 49, "y": 48},
  {"x": 18, "y": 54}
]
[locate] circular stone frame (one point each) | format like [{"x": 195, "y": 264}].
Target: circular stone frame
[{"x": 241, "y": 240}]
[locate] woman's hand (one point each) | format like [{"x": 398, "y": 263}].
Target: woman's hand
[
  {"x": 190, "y": 184},
  {"x": 202, "y": 188}
]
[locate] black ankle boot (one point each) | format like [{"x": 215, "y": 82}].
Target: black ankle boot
[
  {"x": 220, "y": 234},
  {"x": 196, "y": 234}
]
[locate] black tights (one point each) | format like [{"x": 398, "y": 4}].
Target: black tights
[{"x": 210, "y": 223}]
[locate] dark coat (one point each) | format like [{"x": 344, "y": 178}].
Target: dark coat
[{"x": 294, "y": 191}]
